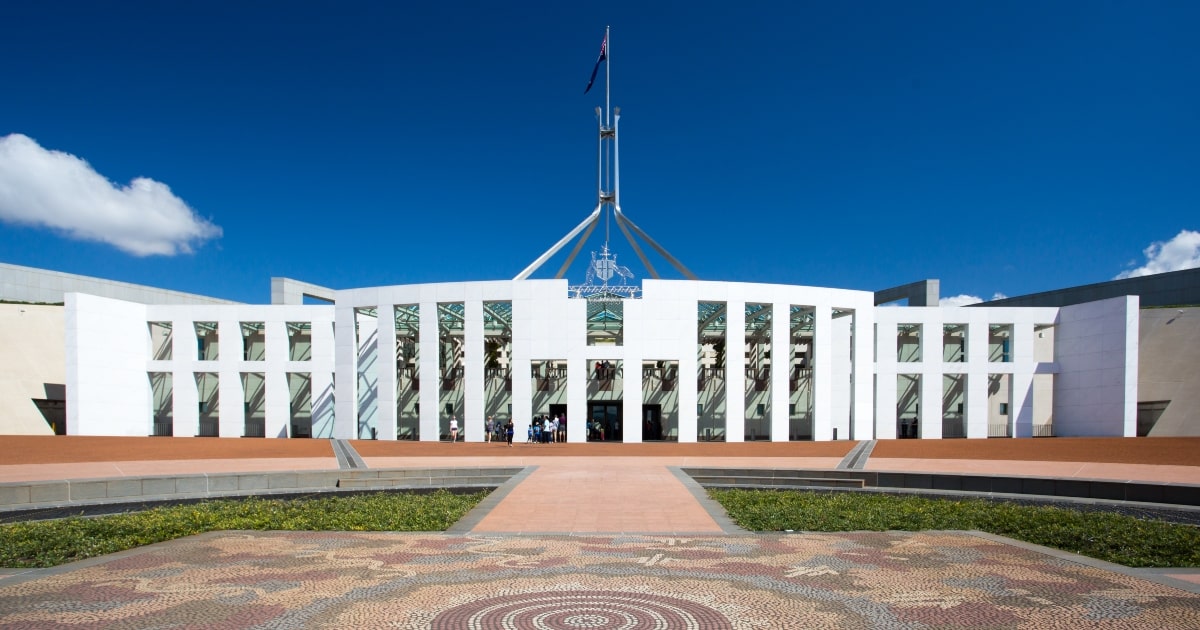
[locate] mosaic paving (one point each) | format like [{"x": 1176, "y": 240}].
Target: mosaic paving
[{"x": 359, "y": 580}]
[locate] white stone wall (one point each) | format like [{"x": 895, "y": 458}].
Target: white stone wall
[
  {"x": 109, "y": 359},
  {"x": 108, "y": 351},
  {"x": 1095, "y": 394},
  {"x": 109, "y": 356},
  {"x": 549, "y": 326},
  {"x": 976, "y": 368}
]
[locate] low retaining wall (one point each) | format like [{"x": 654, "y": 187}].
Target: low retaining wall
[
  {"x": 1099, "y": 489},
  {"x": 47, "y": 494}
]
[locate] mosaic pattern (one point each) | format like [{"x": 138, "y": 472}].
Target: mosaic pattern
[
  {"x": 599, "y": 610},
  {"x": 358, "y": 580}
]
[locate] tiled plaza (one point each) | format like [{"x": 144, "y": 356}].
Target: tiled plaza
[
  {"x": 600, "y": 537},
  {"x": 376, "y": 580}
]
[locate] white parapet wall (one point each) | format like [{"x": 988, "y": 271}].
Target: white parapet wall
[
  {"x": 1097, "y": 350},
  {"x": 876, "y": 372},
  {"x": 108, "y": 347},
  {"x": 110, "y": 356}
]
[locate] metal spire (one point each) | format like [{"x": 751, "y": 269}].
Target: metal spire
[{"x": 608, "y": 182}]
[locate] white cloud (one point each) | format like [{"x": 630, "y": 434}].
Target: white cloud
[
  {"x": 1181, "y": 252},
  {"x": 960, "y": 300},
  {"x": 964, "y": 299},
  {"x": 57, "y": 190}
]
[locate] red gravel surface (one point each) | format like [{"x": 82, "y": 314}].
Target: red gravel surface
[
  {"x": 61, "y": 449},
  {"x": 1172, "y": 451},
  {"x": 65, "y": 449},
  {"x": 368, "y": 448}
]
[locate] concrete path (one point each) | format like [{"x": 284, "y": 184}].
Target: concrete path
[{"x": 611, "y": 495}]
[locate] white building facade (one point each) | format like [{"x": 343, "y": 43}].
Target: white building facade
[{"x": 685, "y": 361}]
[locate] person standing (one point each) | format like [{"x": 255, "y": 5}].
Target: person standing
[
  {"x": 508, "y": 431},
  {"x": 453, "y": 428},
  {"x": 488, "y": 428}
]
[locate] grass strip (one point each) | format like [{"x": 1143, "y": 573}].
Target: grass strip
[
  {"x": 1116, "y": 538},
  {"x": 50, "y": 543}
]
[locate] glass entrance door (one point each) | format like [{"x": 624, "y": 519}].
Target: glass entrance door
[
  {"x": 652, "y": 429},
  {"x": 604, "y": 421}
]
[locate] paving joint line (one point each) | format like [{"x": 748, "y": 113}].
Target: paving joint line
[
  {"x": 347, "y": 457},
  {"x": 856, "y": 459},
  {"x": 714, "y": 509},
  {"x": 471, "y": 520}
]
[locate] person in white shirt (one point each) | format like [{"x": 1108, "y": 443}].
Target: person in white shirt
[{"x": 453, "y": 428}]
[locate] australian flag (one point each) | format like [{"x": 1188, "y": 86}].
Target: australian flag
[{"x": 603, "y": 56}]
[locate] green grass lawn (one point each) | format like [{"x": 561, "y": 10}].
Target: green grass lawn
[
  {"x": 50, "y": 543},
  {"x": 1107, "y": 536}
]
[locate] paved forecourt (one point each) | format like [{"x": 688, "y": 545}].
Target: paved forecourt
[{"x": 598, "y": 536}]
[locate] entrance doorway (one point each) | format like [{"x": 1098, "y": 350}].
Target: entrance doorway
[
  {"x": 652, "y": 429},
  {"x": 560, "y": 412},
  {"x": 604, "y": 421}
]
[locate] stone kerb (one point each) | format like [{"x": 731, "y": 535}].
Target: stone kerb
[{"x": 29, "y": 495}]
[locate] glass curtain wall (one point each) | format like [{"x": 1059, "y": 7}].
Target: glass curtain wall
[
  {"x": 163, "y": 400},
  {"x": 160, "y": 340},
  {"x": 451, "y": 355},
  {"x": 408, "y": 374},
  {"x": 758, "y": 372},
  {"x": 710, "y": 371},
  {"x": 300, "y": 404},
  {"x": 549, "y": 399},
  {"x": 366, "y": 335},
  {"x": 299, "y": 341},
  {"x": 207, "y": 341},
  {"x": 660, "y": 401},
  {"x": 908, "y": 405},
  {"x": 208, "y": 392},
  {"x": 800, "y": 374},
  {"x": 254, "y": 390},
  {"x": 497, "y": 361},
  {"x": 254, "y": 341},
  {"x": 954, "y": 399}
]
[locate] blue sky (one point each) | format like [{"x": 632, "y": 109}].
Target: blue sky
[{"x": 1000, "y": 147}]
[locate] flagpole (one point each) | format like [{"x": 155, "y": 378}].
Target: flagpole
[{"x": 607, "y": 78}]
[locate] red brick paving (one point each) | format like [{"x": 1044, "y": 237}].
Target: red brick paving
[
  {"x": 1183, "y": 451},
  {"x": 61, "y": 449},
  {"x": 65, "y": 449}
]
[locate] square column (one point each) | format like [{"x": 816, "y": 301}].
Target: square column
[
  {"x": 278, "y": 407},
  {"x": 631, "y": 400},
  {"x": 428, "y": 372},
  {"x": 862, "y": 375},
  {"x": 576, "y": 398},
  {"x": 735, "y": 371},
  {"x": 346, "y": 382},
  {"x": 823, "y": 373},
  {"x": 385, "y": 373},
  {"x": 324, "y": 415},
  {"x": 885, "y": 381},
  {"x": 473, "y": 383},
  {"x": 232, "y": 412},
  {"x": 978, "y": 372},
  {"x": 781, "y": 359}
]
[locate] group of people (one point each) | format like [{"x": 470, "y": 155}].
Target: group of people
[
  {"x": 493, "y": 428},
  {"x": 543, "y": 430},
  {"x": 547, "y": 430}
]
